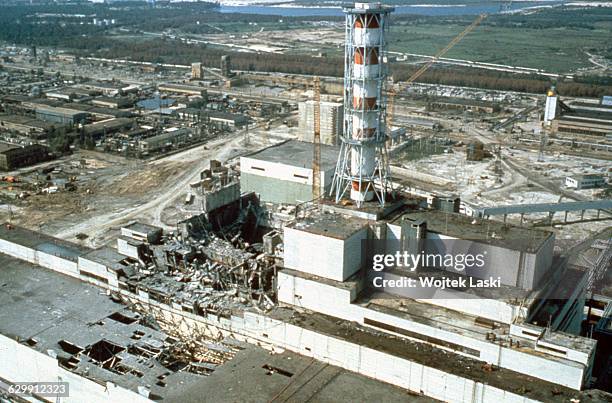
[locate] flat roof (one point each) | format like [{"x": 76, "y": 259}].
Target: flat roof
[
  {"x": 588, "y": 114},
  {"x": 330, "y": 225},
  {"x": 324, "y": 103},
  {"x": 255, "y": 375},
  {"x": 236, "y": 117},
  {"x": 428, "y": 355},
  {"x": 6, "y": 146},
  {"x": 42, "y": 242},
  {"x": 142, "y": 228},
  {"x": 297, "y": 154},
  {"x": 166, "y": 135},
  {"x": 111, "y": 99},
  {"x": 155, "y": 103},
  {"x": 59, "y": 110},
  {"x": 26, "y": 121},
  {"x": 111, "y": 124},
  {"x": 106, "y": 256},
  {"x": 105, "y": 85},
  {"x": 42, "y": 308},
  {"x": 463, "y": 227}
]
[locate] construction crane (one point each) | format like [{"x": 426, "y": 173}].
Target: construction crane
[
  {"x": 393, "y": 92},
  {"x": 316, "y": 141}
]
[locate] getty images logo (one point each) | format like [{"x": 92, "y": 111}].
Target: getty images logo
[{"x": 410, "y": 261}]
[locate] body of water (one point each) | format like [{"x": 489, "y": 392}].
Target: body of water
[{"x": 458, "y": 9}]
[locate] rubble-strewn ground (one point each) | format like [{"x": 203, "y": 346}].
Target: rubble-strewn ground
[
  {"x": 487, "y": 183},
  {"x": 112, "y": 190}
]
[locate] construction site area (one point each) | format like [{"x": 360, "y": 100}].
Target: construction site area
[{"x": 221, "y": 225}]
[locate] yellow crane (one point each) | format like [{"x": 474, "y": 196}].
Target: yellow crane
[{"x": 393, "y": 92}]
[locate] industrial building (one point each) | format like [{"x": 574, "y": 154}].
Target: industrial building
[
  {"x": 105, "y": 127},
  {"x": 70, "y": 94},
  {"x": 226, "y": 120},
  {"x": 191, "y": 114},
  {"x": 110, "y": 89},
  {"x": 283, "y": 173},
  {"x": 112, "y": 102},
  {"x": 166, "y": 140},
  {"x": 336, "y": 284},
  {"x": 585, "y": 181},
  {"x": 152, "y": 104},
  {"x": 463, "y": 104},
  {"x": 181, "y": 89},
  {"x": 275, "y": 270},
  {"x": 577, "y": 118},
  {"x": 26, "y": 125},
  {"x": 583, "y": 123},
  {"x": 226, "y": 66},
  {"x": 12, "y": 156},
  {"x": 197, "y": 73},
  {"x": 111, "y": 353},
  {"x": 60, "y": 115},
  {"x": 331, "y": 118},
  {"x": 99, "y": 112}
]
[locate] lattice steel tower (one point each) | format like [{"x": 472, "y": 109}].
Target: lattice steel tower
[{"x": 362, "y": 169}]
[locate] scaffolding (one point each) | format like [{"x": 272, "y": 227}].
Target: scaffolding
[{"x": 362, "y": 170}]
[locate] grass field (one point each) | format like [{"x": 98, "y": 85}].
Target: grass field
[
  {"x": 553, "y": 40},
  {"x": 555, "y": 49}
]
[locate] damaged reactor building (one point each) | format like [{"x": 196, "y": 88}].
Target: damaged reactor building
[{"x": 261, "y": 261}]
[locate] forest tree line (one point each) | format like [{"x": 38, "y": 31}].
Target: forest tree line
[
  {"x": 167, "y": 51},
  {"x": 19, "y": 24}
]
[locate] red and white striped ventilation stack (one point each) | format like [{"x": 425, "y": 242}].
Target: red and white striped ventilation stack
[{"x": 361, "y": 172}]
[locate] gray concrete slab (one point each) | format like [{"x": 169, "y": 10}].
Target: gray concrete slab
[{"x": 256, "y": 375}]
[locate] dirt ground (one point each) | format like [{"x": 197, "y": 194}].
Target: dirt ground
[{"x": 112, "y": 190}]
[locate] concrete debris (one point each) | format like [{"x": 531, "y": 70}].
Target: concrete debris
[{"x": 210, "y": 271}]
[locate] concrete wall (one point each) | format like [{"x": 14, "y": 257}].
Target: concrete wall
[
  {"x": 20, "y": 363},
  {"x": 516, "y": 268},
  {"x": 543, "y": 260},
  {"x": 322, "y": 256},
  {"x": 496, "y": 310},
  {"x": 92, "y": 267},
  {"x": 275, "y": 190},
  {"x": 221, "y": 197},
  {"x": 402, "y": 372},
  {"x": 569, "y": 371},
  {"x": 40, "y": 258},
  {"x": 280, "y": 183},
  {"x": 392, "y": 369},
  {"x": 300, "y": 292},
  {"x": 18, "y": 251},
  {"x": 126, "y": 248},
  {"x": 57, "y": 263}
]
